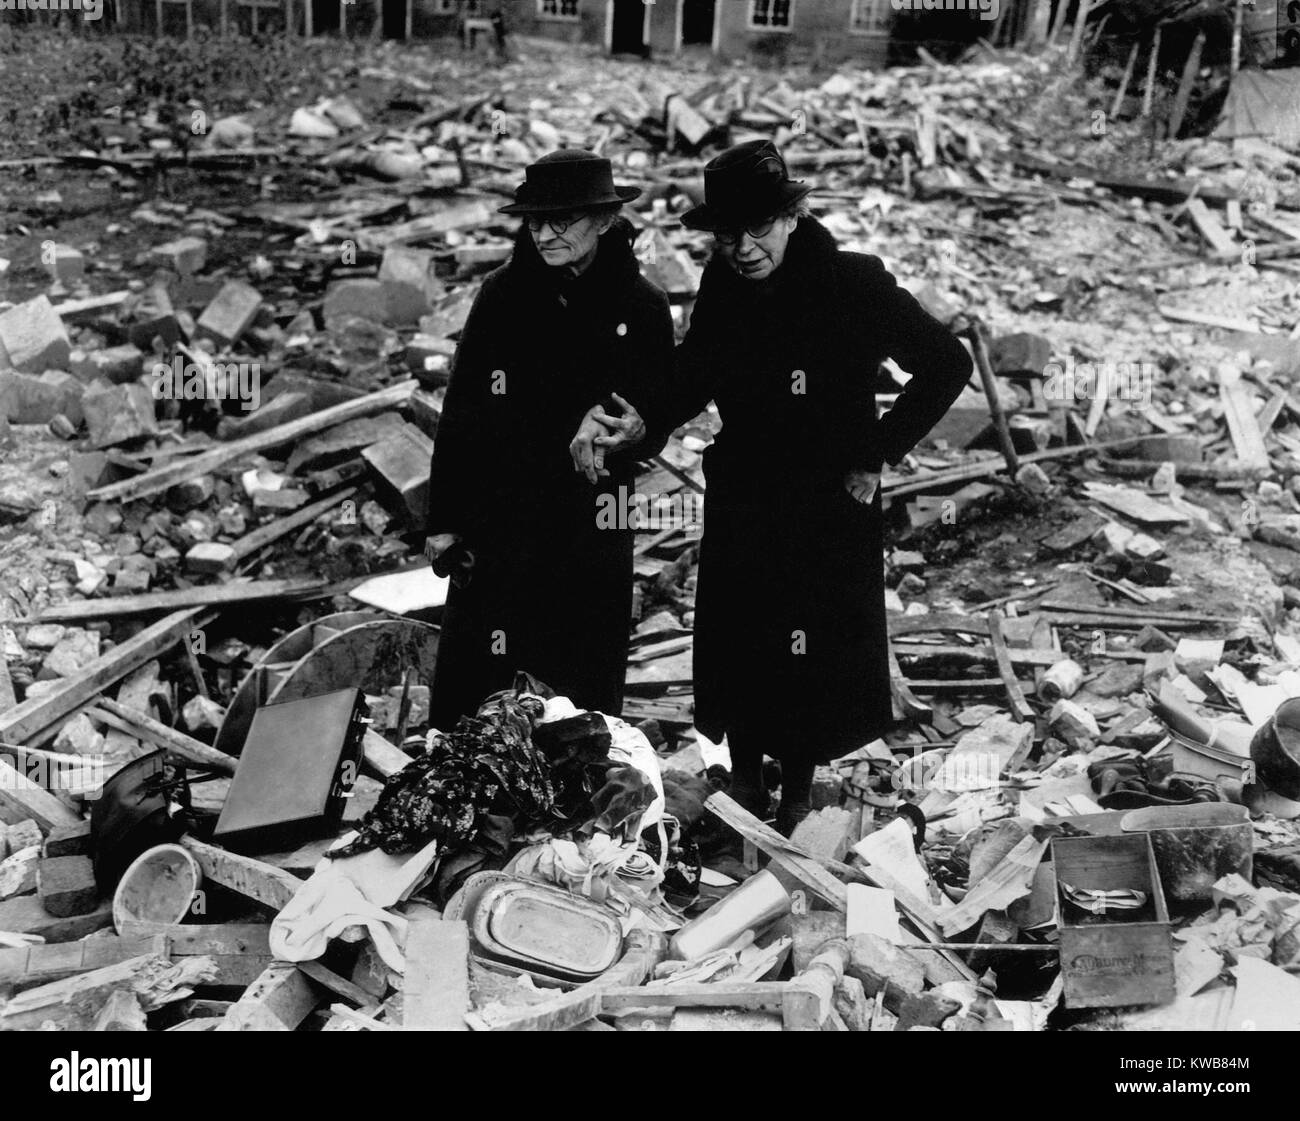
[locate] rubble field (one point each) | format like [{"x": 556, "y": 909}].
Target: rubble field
[{"x": 232, "y": 277}]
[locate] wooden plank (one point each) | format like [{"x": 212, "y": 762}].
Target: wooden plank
[
  {"x": 54, "y": 962},
  {"x": 251, "y": 878},
  {"x": 1149, "y": 89},
  {"x": 435, "y": 989},
  {"x": 328, "y": 979},
  {"x": 1181, "y": 98},
  {"x": 74, "y": 1001},
  {"x": 1247, "y": 438},
  {"x": 25, "y": 915},
  {"x": 31, "y": 717},
  {"x": 1020, "y": 707},
  {"x": 239, "y": 590},
  {"x": 264, "y": 535},
  {"x": 381, "y": 756},
  {"x": 755, "y": 996},
  {"x": 1209, "y": 227},
  {"x": 1202, "y": 319},
  {"x": 172, "y": 739},
  {"x": 160, "y": 478},
  {"x": 1118, "y": 103},
  {"x": 909, "y": 704},
  {"x": 186, "y": 939},
  {"x": 283, "y": 991},
  {"x": 21, "y": 798}
]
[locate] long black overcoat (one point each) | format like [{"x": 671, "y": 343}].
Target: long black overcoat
[
  {"x": 790, "y": 633},
  {"x": 551, "y": 589}
]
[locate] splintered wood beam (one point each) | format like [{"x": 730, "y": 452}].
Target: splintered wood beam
[
  {"x": 27, "y": 720},
  {"x": 237, "y": 591},
  {"x": 250, "y": 878},
  {"x": 435, "y": 988},
  {"x": 1020, "y": 708},
  {"x": 160, "y": 478}
]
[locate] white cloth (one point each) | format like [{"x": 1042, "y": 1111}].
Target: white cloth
[{"x": 346, "y": 894}]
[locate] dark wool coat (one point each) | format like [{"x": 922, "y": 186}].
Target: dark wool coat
[
  {"x": 551, "y": 590},
  {"x": 790, "y": 634}
]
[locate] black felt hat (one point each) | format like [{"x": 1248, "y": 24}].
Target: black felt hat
[
  {"x": 744, "y": 185},
  {"x": 570, "y": 179}
]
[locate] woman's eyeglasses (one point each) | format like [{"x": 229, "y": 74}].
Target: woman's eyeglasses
[
  {"x": 756, "y": 230},
  {"x": 558, "y": 222}
]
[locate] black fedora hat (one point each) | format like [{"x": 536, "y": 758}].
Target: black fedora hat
[
  {"x": 570, "y": 179},
  {"x": 744, "y": 185}
]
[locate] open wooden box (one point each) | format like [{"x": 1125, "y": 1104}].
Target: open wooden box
[{"x": 1112, "y": 961}]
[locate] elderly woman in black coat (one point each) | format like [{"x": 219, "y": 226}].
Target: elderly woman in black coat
[
  {"x": 540, "y": 582},
  {"x": 786, "y": 337}
]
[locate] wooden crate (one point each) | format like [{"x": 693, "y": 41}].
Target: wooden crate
[{"x": 1109, "y": 964}]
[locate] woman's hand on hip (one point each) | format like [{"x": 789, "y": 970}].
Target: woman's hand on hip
[
  {"x": 862, "y": 485},
  {"x": 438, "y": 544}
]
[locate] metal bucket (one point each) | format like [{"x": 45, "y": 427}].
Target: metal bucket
[
  {"x": 1275, "y": 748},
  {"x": 1195, "y": 845}
]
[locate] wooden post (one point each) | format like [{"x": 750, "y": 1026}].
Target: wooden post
[
  {"x": 1235, "y": 62},
  {"x": 223, "y": 17},
  {"x": 1184, "y": 94},
  {"x": 157, "y": 4},
  {"x": 1058, "y": 22},
  {"x": 1151, "y": 72},
  {"x": 1123, "y": 82},
  {"x": 979, "y": 344},
  {"x": 410, "y": 5},
  {"x": 307, "y": 26},
  {"x": 1076, "y": 33},
  {"x": 1039, "y": 24}
]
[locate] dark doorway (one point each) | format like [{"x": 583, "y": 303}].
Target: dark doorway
[
  {"x": 394, "y": 19},
  {"x": 628, "y": 33},
  {"x": 697, "y": 22}
]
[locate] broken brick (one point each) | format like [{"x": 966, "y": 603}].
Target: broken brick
[
  {"x": 228, "y": 316},
  {"x": 184, "y": 256},
  {"x": 119, "y": 414},
  {"x": 67, "y": 885},
  {"x": 33, "y": 337}
]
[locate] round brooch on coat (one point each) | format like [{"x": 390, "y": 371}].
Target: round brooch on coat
[{"x": 621, "y": 329}]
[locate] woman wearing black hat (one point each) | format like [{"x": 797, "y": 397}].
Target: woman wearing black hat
[
  {"x": 566, "y": 324},
  {"x": 787, "y": 336}
]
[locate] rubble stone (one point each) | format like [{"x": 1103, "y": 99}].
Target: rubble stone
[
  {"x": 74, "y": 651},
  {"x": 67, "y": 885},
  {"x": 409, "y": 285},
  {"x": 18, "y": 872},
  {"x": 119, "y": 414},
  {"x": 210, "y": 557},
  {"x": 201, "y": 714},
  {"x": 117, "y": 364},
  {"x": 228, "y": 316},
  {"x": 78, "y": 736},
  {"x": 69, "y": 840},
  {"x": 44, "y": 636},
  {"x": 23, "y": 834},
  {"x": 1074, "y": 724},
  {"x": 363, "y": 298},
  {"x": 33, "y": 337},
  {"x": 184, "y": 256},
  {"x": 65, "y": 264}
]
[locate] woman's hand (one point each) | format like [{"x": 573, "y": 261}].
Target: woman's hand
[
  {"x": 438, "y": 544},
  {"x": 862, "y": 485},
  {"x": 601, "y": 434}
]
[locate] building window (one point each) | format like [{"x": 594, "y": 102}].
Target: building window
[
  {"x": 557, "y": 9},
  {"x": 771, "y": 15},
  {"x": 456, "y": 7},
  {"x": 869, "y": 17}
]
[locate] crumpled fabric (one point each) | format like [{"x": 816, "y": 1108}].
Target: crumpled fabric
[
  {"x": 488, "y": 765},
  {"x": 348, "y": 898}
]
